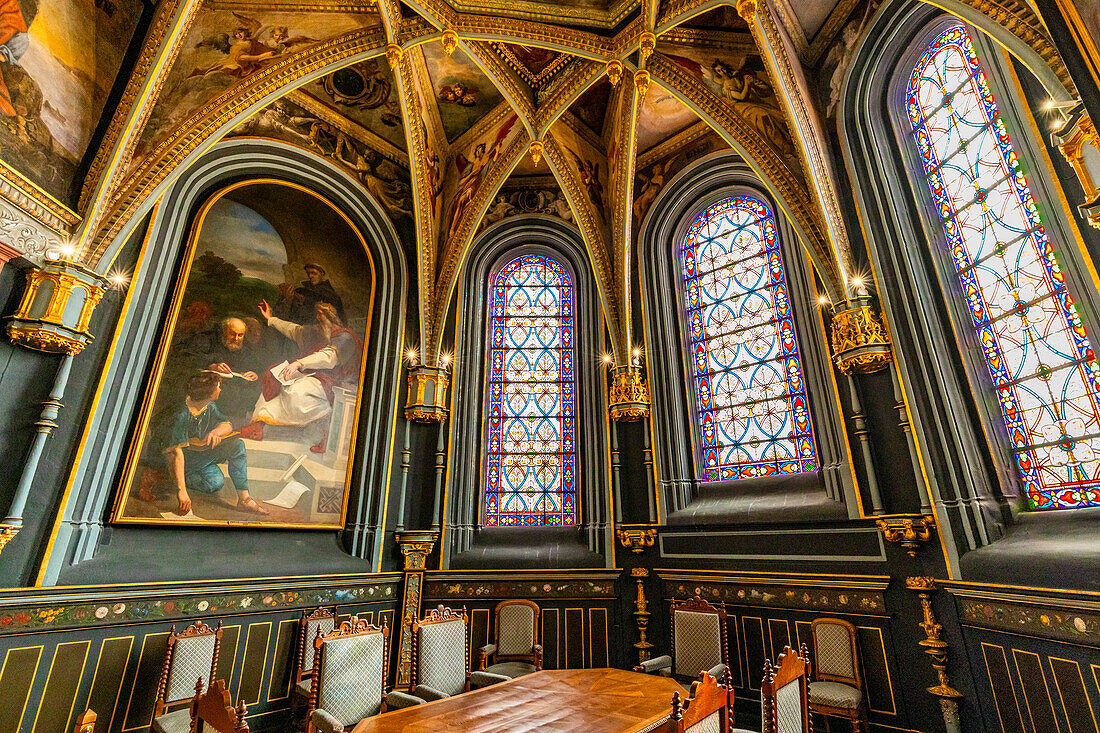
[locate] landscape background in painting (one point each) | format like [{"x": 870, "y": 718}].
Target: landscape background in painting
[
  {"x": 67, "y": 62},
  {"x": 252, "y": 244}
]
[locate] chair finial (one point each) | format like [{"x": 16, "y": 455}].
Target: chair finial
[{"x": 677, "y": 707}]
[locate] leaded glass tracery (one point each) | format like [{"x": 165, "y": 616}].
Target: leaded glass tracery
[
  {"x": 752, "y": 411},
  {"x": 531, "y": 473},
  {"x": 1031, "y": 335}
]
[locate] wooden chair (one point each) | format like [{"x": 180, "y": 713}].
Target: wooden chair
[
  {"x": 441, "y": 656},
  {"x": 192, "y": 653},
  {"x": 348, "y": 677},
  {"x": 710, "y": 710},
  {"x": 698, "y": 643},
  {"x": 784, "y": 704},
  {"x": 214, "y": 708},
  {"x": 837, "y": 687},
  {"x": 515, "y": 649},
  {"x": 86, "y": 722},
  {"x": 321, "y": 620}
]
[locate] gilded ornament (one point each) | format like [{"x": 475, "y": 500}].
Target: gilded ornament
[
  {"x": 641, "y": 81},
  {"x": 859, "y": 339},
  {"x": 747, "y": 10},
  {"x": 637, "y": 539},
  {"x": 628, "y": 399},
  {"x": 934, "y": 646},
  {"x": 535, "y": 149},
  {"x": 56, "y": 307},
  {"x": 1079, "y": 144},
  {"x": 7, "y": 534},
  {"x": 614, "y": 71},
  {"x": 647, "y": 44},
  {"x": 909, "y": 531},
  {"x": 449, "y": 41},
  {"x": 393, "y": 55},
  {"x": 427, "y": 398}
]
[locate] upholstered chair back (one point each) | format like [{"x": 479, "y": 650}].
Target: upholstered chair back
[
  {"x": 835, "y": 656},
  {"x": 320, "y": 622},
  {"x": 350, "y": 674},
  {"x": 784, "y": 704},
  {"x": 698, "y": 637},
  {"x": 192, "y": 653},
  {"x": 441, "y": 652},
  {"x": 517, "y": 623}
]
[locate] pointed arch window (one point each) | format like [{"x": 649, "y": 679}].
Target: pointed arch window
[
  {"x": 532, "y": 466},
  {"x": 1043, "y": 370},
  {"x": 752, "y": 415}
]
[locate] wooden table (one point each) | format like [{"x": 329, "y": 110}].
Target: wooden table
[{"x": 588, "y": 700}]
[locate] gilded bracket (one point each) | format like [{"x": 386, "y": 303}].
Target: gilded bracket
[
  {"x": 641, "y": 615},
  {"x": 911, "y": 531},
  {"x": 637, "y": 538},
  {"x": 1079, "y": 144}
]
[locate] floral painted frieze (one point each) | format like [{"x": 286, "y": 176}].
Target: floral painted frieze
[
  {"x": 444, "y": 589},
  {"x": 1046, "y": 621},
  {"x": 842, "y": 600},
  {"x": 20, "y": 617}
]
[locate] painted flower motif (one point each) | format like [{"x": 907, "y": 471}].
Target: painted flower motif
[
  {"x": 246, "y": 601},
  {"x": 169, "y": 606},
  {"x": 118, "y": 607},
  {"x": 1079, "y": 624},
  {"x": 5, "y": 620},
  {"x": 22, "y": 618},
  {"x": 987, "y": 611},
  {"x": 101, "y": 612},
  {"x": 203, "y": 605},
  {"x": 741, "y": 594},
  {"x": 546, "y": 588},
  {"x": 389, "y": 591},
  {"x": 843, "y": 598},
  {"x": 805, "y": 597},
  {"x": 268, "y": 600},
  {"x": 698, "y": 591},
  {"x": 1045, "y": 619}
]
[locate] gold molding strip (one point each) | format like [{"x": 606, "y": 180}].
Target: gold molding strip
[
  {"x": 535, "y": 80},
  {"x": 24, "y": 195}
]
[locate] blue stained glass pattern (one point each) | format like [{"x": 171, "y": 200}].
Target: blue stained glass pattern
[
  {"x": 753, "y": 415},
  {"x": 532, "y": 471},
  {"x": 1032, "y": 338}
]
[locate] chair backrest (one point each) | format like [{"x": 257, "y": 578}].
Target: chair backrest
[
  {"x": 784, "y": 694},
  {"x": 321, "y": 619},
  {"x": 836, "y": 657},
  {"x": 350, "y": 665},
  {"x": 214, "y": 710},
  {"x": 441, "y": 650},
  {"x": 517, "y": 629},
  {"x": 192, "y": 653},
  {"x": 698, "y": 637},
  {"x": 86, "y": 722},
  {"x": 710, "y": 710}
]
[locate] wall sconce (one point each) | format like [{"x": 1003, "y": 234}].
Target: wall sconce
[
  {"x": 427, "y": 401},
  {"x": 1076, "y": 137},
  {"x": 628, "y": 400},
  {"x": 859, "y": 339},
  {"x": 56, "y": 307}
]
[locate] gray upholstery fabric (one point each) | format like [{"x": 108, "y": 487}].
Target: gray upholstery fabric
[
  {"x": 511, "y": 670},
  {"x": 833, "y": 651},
  {"x": 710, "y": 724},
  {"x": 398, "y": 700},
  {"x": 516, "y": 633},
  {"x": 325, "y": 625},
  {"x": 718, "y": 671},
  {"x": 697, "y": 642},
  {"x": 650, "y": 666},
  {"x": 429, "y": 693},
  {"x": 788, "y": 708},
  {"x": 834, "y": 694},
  {"x": 351, "y": 677},
  {"x": 177, "y": 721},
  {"x": 485, "y": 679},
  {"x": 442, "y": 656},
  {"x": 302, "y": 688},
  {"x": 193, "y": 656},
  {"x": 325, "y": 723}
]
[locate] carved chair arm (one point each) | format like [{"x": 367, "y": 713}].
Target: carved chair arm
[
  {"x": 484, "y": 679},
  {"x": 655, "y": 665},
  {"x": 428, "y": 693},
  {"x": 484, "y": 653},
  {"x": 398, "y": 700},
  {"x": 324, "y": 722}
]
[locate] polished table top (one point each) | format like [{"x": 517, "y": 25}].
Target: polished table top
[{"x": 588, "y": 700}]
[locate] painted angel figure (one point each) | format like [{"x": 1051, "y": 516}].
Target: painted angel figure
[
  {"x": 243, "y": 49},
  {"x": 470, "y": 172},
  {"x": 651, "y": 185},
  {"x": 590, "y": 177}
]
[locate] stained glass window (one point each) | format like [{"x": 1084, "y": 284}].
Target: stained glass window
[
  {"x": 750, "y": 393},
  {"x": 1044, "y": 373},
  {"x": 532, "y": 401}
]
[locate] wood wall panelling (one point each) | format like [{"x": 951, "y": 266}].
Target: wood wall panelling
[
  {"x": 62, "y": 684},
  {"x": 16, "y": 678},
  {"x": 107, "y": 678},
  {"x": 282, "y": 664},
  {"x": 254, "y": 665}
]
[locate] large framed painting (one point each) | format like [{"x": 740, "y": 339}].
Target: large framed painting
[{"x": 250, "y": 412}]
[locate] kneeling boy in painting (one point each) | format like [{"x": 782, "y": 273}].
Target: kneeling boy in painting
[{"x": 201, "y": 438}]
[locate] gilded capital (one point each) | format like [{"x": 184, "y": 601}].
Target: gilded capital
[
  {"x": 535, "y": 149},
  {"x": 614, "y": 71},
  {"x": 393, "y": 55},
  {"x": 641, "y": 81},
  {"x": 628, "y": 399},
  {"x": 747, "y": 10},
  {"x": 449, "y": 41}
]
